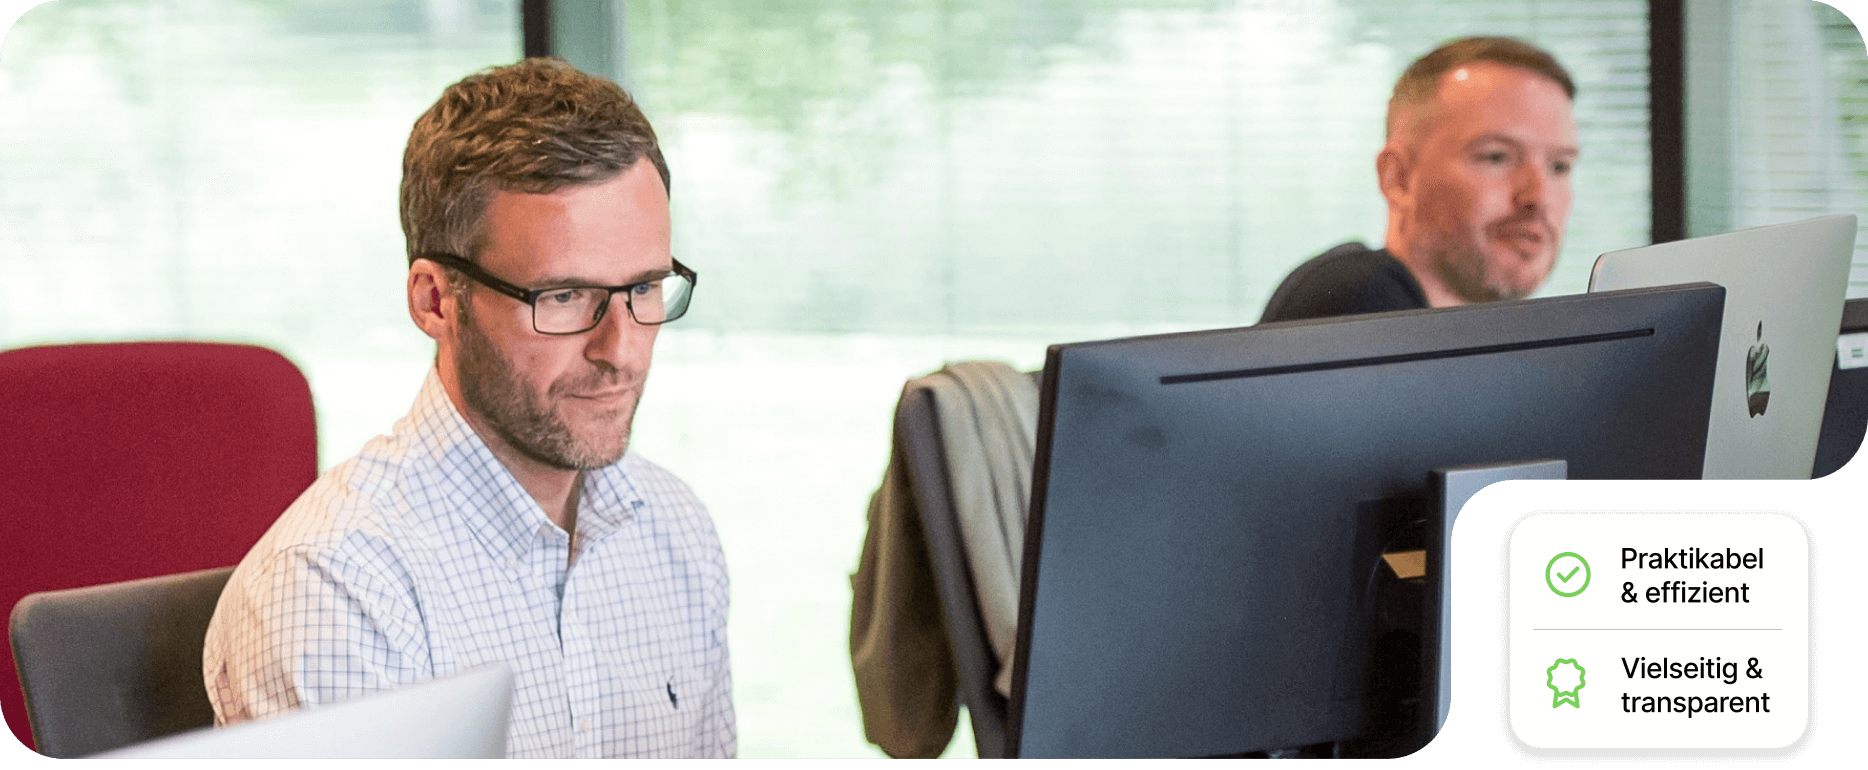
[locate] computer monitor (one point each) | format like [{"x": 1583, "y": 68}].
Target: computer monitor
[
  {"x": 1845, "y": 414},
  {"x": 1209, "y": 509},
  {"x": 463, "y": 716}
]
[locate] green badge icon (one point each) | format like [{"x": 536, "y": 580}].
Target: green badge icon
[
  {"x": 1565, "y": 679},
  {"x": 1567, "y": 574}
]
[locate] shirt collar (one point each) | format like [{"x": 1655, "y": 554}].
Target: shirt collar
[{"x": 480, "y": 491}]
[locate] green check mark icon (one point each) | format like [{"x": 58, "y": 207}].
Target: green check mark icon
[{"x": 1567, "y": 583}]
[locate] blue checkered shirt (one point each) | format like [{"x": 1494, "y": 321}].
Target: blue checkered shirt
[{"x": 423, "y": 557}]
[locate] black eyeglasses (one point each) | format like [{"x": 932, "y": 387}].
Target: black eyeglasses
[{"x": 578, "y": 309}]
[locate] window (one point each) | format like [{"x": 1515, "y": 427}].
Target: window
[
  {"x": 1072, "y": 168},
  {"x": 1777, "y": 106},
  {"x": 227, "y": 170}
]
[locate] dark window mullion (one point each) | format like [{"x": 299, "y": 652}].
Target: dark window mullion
[
  {"x": 1667, "y": 118},
  {"x": 535, "y": 26}
]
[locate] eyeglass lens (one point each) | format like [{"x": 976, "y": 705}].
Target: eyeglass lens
[{"x": 576, "y": 309}]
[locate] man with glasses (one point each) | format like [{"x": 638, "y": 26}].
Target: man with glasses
[{"x": 503, "y": 520}]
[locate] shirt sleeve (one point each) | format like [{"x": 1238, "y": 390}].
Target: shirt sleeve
[
  {"x": 723, "y": 724},
  {"x": 722, "y": 728},
  {"x": 311, "y": 627}
]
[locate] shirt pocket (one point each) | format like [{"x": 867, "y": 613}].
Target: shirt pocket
[{"x": 665, "y": 714}]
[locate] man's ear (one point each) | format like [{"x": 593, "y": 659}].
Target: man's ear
[
  {"x": 431, "y": 299},
  {"x": 1394, "y": 172}
]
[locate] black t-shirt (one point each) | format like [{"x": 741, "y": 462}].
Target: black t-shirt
[{"x": 1345, "y": 280}]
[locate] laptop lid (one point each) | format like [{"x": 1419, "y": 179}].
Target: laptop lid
[
  {"x": 1784, "y": 285},
  {"x": 463, "y": 716}
]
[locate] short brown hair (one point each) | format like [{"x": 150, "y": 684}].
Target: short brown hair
[
  {"x": 535, "y": 126},
  {"x": 1421, "y": 82}
]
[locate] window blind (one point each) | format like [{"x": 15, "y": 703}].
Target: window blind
[
  {"x": 1072, "y": 168},
  {"x": 1777, "y": 116}
]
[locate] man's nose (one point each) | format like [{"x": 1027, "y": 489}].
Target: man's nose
[
  {"x": 1532, "y": 188},
  {"x": 618, "y": 340}
]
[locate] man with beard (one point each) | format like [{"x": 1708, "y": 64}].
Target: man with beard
[
  {"x": 1476, "y": 172},
  {"x": 504, "y": 519}
]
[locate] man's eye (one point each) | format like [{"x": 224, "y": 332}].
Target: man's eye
[
  {"x": 1494, "y": 158},
  {"x": 563, "y": 297},
  {"x": 646, "y": 288},
  {"x": 1561, "y": 168}
]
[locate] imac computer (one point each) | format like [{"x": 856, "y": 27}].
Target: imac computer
[{"x": 1203, "y": 562}]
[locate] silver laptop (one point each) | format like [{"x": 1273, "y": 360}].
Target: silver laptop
[
  {"x": 1784, "y": 289},
  {"x": 463, "y": 716}
]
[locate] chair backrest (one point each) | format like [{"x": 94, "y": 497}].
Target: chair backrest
[
  {"x": 130, "y": 460},
  {"x": 113, "y": 665},
  {"x": 917, "y": 427}
]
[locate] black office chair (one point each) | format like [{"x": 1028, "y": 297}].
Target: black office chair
[
  {"x": 108, "y": 666},
  {"x": 917, "y": 427}
]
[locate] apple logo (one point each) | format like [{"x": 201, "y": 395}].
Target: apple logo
[{"x": 1757, "y": 383}]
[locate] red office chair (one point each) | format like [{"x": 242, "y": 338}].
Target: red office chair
[{"x": 132, "y": 460}]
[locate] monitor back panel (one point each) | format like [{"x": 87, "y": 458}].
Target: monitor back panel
[{"x": 1207, "y": 508}]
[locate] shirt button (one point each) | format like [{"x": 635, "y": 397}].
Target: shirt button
[{"x": 584, "y": 726}]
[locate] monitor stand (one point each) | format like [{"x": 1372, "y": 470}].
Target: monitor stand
[{"x": 1452, "y": 487}]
